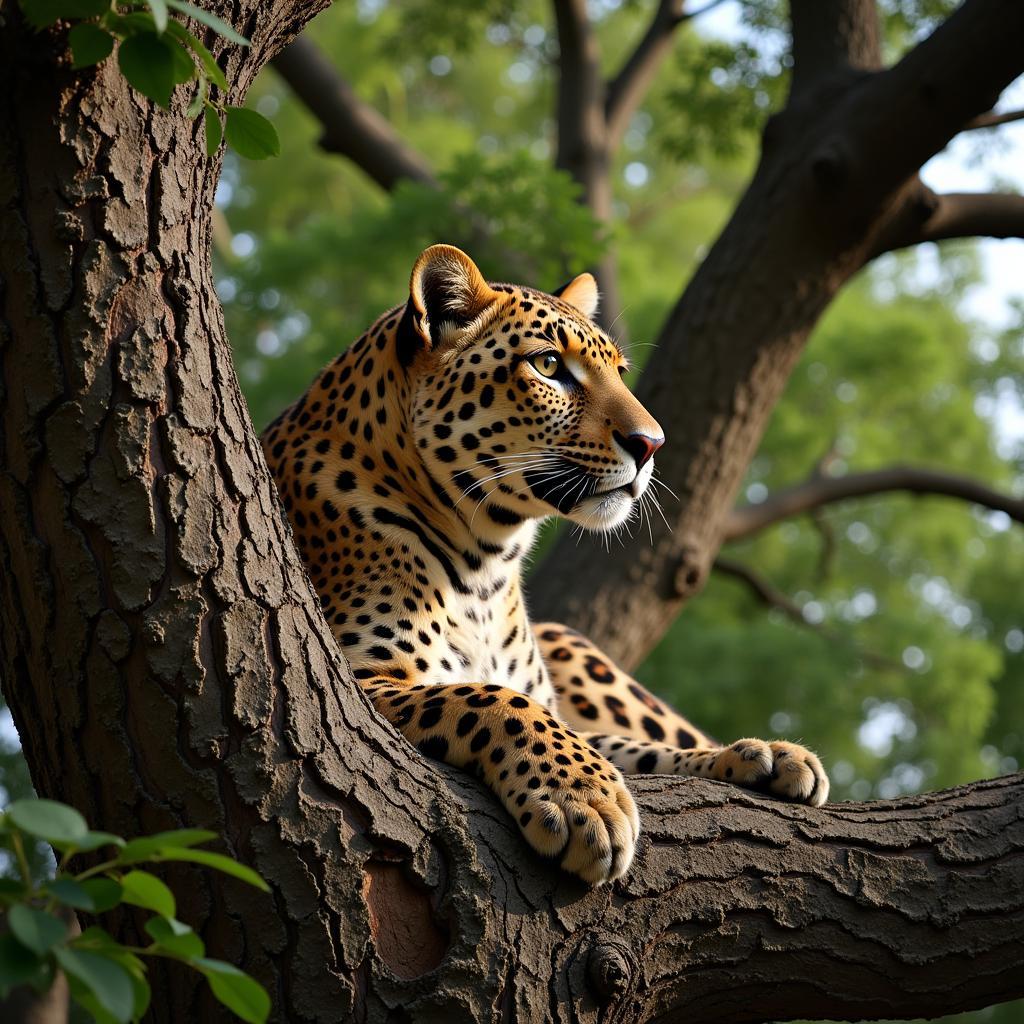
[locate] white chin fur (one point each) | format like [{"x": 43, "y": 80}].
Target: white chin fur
[{"x": 602, "y": 511}]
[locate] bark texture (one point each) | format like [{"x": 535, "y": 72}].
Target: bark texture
[
  {"x": 167, "y": 665},
  {"x": 837, "y": 183}
]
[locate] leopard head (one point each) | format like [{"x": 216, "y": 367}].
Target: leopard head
[{"x": 518, "y": 401}]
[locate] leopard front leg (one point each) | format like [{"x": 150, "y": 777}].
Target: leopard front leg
[
  {"x": 640, "y": 734},
  {"x": 568, "y": 801},
  {"x": 785, "y": 770}
]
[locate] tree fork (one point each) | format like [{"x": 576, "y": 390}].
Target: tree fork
[
  {"x": 837, "y": 167},
  {"x": 166, "y": 664}
]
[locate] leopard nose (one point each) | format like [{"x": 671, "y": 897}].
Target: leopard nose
[{"x": 640, "y": 446}]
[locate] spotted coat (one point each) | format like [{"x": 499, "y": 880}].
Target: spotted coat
[{"x": 414, "y": 473}]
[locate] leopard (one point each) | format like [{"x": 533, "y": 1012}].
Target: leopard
[{"x": 415, "y": 473}]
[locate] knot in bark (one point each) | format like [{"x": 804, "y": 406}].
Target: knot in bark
[
  {"x": 831, "y": 166},
  {"x": 690, "y": 571},
  {"x": 609, "y": 971}
]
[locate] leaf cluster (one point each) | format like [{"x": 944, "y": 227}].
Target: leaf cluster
[
  {"x": 106, "y": 977},
  {"x": 156, "y": 53}
]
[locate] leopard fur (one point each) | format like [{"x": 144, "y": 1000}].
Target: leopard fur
[{"x": 415, "y": 471}]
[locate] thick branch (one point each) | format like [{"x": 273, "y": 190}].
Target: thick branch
[
  {"x": 927, "y": 216},
  {"x": 627, "y": 89},
  {"x": 351, "y": 127},
  {"x": 858, "y": 906},
  {"x": 832, "y": 39},
  {"x": 583, "y": 145},
  {"x": 581, "y": 124},
  {"x": 824, "y": 490}
]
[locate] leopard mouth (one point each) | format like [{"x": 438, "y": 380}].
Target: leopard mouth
[
  {"x": 563, "y": 485},
  {"x": 578, "y": 495},
  {"x": 633, "y": 489}
]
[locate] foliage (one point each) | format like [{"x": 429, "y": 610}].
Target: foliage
[
  {"x": 721, "y": 96},
  {"x": 106, "y": 977},
  {"x": 156, "y": 54}
]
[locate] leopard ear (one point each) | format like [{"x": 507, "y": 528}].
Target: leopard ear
[
  {"x": 447, "y": 293},
  {"x": 582, "y": 293}
]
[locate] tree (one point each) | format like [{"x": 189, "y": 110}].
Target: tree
[{"x": 166, "y": 663}]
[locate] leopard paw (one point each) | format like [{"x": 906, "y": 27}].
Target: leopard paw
[
  {"x": 591, "y": 828},
  {"x": 783, "y": 769},
  {"x": 797, "y": 774}
]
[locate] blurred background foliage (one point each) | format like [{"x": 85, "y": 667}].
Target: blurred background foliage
[{"x": 907, "y": 669}]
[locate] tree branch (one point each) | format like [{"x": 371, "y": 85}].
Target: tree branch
[
  {"x": 927, "y": 216},
  {"x": 993, "y": 120},
  {"x": 583, "y": 147},
  {"x": 626, "y": 90},
  {"x": 351, "y": 127},
  {"x": 765, "y": 592},
  {"x": 774, "y": 599},
  {"x": 824, "y": 490},
  {"x": 581, "y": 126},
  {"x": 833, "y": 39}
]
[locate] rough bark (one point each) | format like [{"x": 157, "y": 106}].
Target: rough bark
[
  {"x": 166, "y": 664},
  {"x": 837, "y": 164}
]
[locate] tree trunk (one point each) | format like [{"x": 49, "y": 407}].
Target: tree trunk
[
  {"x": 167, "y": 665},
  {"x": 838, "y": 168},
  {"x": 584, "y": 148}
]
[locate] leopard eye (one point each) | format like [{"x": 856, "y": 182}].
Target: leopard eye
[{"x": 547, "y": 364}]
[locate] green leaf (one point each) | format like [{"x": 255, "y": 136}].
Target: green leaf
[
  {"x": 72, "y": 894},
  {"x": 220, "y": 27},
  {"x": 236, "y": 990},
  {"x": 104, "y": 892},
  {"x": 210, "y": 65},
  {"x": 41, "y": 13},
  {"x": 35, "y": 929},
  {"x": 184, "y": 65},
  {"x": 159, "y": 9},
  {"x": 56, "y": 823},
  {"x": 96, "y": 940},
  {"x": 175, "y": 937},
  {"x": 251, "y": 134},
  {"x": 89, "y": 45},
  {"x": 83, "y": 997},
  {"x": 109, "y": 983},
  {"x": 141, "y": 995},
  {"x": 147, "y": 61},
  {"x": 136, "y": 850},
  {"x": 94, "y": 840},
  {"x": 217, "y": 861},
  {"x": 18, "y": 965},
  {"x": 211, "y": 123},
  {"x": 142, "y": 889}
]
